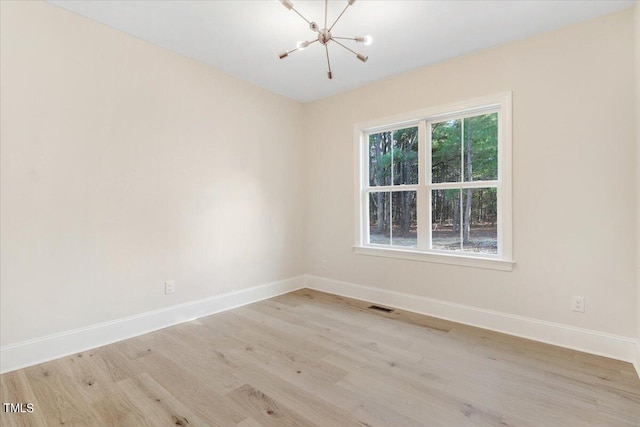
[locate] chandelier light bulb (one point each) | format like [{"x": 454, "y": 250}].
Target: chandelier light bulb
[
  {"x": 302, "y": 45},
  {"x": 367, "y": 40},
  {"x": 287, "y": 4},
  {"x": 362, "y": 57}
]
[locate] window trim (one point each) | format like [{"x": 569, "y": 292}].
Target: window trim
[{"x": 501, "y": 102}]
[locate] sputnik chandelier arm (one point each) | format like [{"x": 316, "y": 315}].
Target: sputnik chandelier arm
[
  {"x": 324, "y": 34},
  {"x": 349, "y": 3},
  {"x": 300, "y": 46},
  {"x": 329, "y": 73}
]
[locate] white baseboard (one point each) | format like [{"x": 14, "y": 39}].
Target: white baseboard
[
  {"x": 636, "y": 362},
  {"x": 599, "y": 343},
  {"x": 32, "y": 352}
]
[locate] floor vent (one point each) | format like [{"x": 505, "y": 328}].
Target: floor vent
[{"x": 377, "y": 307}]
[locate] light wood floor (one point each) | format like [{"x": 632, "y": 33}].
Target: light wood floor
[{"x": 313, "y": 359}]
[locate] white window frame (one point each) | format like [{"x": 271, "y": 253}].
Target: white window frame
[{"x": 503, "y": 260}]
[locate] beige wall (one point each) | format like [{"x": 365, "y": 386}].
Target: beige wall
[
  {"x": 574, "y": 174},
  {"x": 124, "y": 165}
]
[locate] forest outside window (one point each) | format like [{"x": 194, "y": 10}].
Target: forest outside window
[{"x": 437, "y": 186}]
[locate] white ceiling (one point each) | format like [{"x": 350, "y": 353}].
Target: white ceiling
[{"x": 244, "y": 37}]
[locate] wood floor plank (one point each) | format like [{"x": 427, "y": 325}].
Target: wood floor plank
[
  {"x": 313, "y": 408},
  {"x": 201, "y": 393},
  {"x": 118, "y": 410},
  {"x": 113, "y": 363},
  {"x": 15, "y": 388},
  {"x": 203, "y": 362},
  {"x": 87, "y": 377},
  {"x": 417, "y": 400},
  {"x": 313, "y": 359},
  {"x": 265, "y": 409},
  {"x": 293, "y": 363},
  {"x": 160, "y": 406},
  {"x": 374, "y": 414},
  {"x": 59, "y": 399},
  {"x": 250, "y": 422},
  {"x": 280, "y": 342},
  {"x": 296, "y": 377}
]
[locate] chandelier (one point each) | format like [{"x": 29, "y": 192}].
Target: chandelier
[{"x": 324, "y": 35}]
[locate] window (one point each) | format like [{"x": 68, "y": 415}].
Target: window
[{"x": 436, "y": 185}]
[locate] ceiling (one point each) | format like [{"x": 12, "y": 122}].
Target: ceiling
[{"x": 244, "y": 38}]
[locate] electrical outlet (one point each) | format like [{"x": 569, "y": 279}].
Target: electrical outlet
[
  {"x": 324, "y": 264},
  {"x": 169, "y": 287},
  {"x": 577, "y": 304}
]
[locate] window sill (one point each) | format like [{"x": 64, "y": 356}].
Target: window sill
[{"x": 461, "y": 260}]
